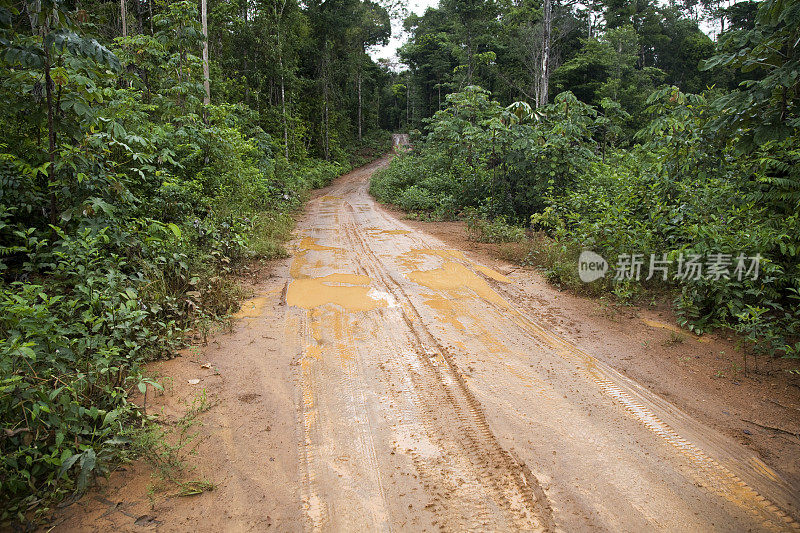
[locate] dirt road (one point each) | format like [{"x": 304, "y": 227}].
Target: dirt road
[{"x": 392, "y": 383}]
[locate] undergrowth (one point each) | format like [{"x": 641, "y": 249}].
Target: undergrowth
[
  {"x": 121, "y": 240},
  {"x": 545, "y": 186}
]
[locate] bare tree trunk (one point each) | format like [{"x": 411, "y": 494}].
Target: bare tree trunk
[
  {"x": 283, "y": 116},
  {"x": 278, "y": 18},
  {"x": 206, "y": 76},
  {"x": 326, "y": 111},
  {"x": 545, "y": 74},
  {"x": 408, "y": 103},
  {"x": 469, "y": 57},
  {"x": 327, "y": 133},
  {"x": 51, "y": 137},
  {"x": 358, "y": 77},
  {"x": 377, "y": 108},
  {"x": 124, "y": 18},
  {"x": 150, "y": 9},
  {"x": 139, "y": 18}
]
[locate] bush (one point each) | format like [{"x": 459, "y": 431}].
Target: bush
[
  {"x": 682, "y": 193},
  {"x": 496, "y": 231},
  {"x": 684, "y": 190}
]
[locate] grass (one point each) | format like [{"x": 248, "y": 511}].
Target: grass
[
  {"x": 169, "y": 447},
  {"x": 497, "y": 230},
  {"x": 269, "y": 233},
  {"x": 674, "y": 339}
]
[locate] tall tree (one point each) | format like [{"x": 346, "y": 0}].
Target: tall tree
[
  {"x": 206, "y": 77},
  {"x": 547, "y": 26},
  {"x": 372, "y": 27},
  {"x": 124, "y": 17}
]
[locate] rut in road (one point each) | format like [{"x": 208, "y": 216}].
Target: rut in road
[
  {"x": 425, "y": 396},
  {"x": 435, "y": 420}
]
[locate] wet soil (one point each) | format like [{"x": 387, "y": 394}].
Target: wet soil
[
  {"x": 393, "y": 376},
  {"x": 704, "y": 376}
]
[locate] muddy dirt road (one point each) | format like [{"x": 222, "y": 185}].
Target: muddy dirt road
[{"x": 402, "y": 388}]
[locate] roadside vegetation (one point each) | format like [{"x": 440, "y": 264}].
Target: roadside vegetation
[
  {"x": 620, "y": 169},
  {"x": 128, "y": 205}
]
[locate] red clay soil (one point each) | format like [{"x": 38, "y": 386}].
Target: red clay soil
[
  {"x": 381, "y": 379},
  {"x": 702, "y": 376}
]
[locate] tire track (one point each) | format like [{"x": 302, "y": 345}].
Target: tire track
[
  {"x": 511, "y": 489},
  {"x": 337, "y": 467},
  {"x": 714, "y": 476}
]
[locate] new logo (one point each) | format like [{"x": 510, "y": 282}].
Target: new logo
[{"x": 591, "y": 266}]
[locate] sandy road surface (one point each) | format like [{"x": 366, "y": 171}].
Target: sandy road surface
[
  {"x": 419, "y": 378},
  {"x": 407, "y": 391}
]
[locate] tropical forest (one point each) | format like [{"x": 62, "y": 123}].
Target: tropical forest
[{"x": 156, "y": 153}]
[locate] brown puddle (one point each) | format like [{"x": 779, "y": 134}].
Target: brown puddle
[
  {"x": 670, "y": 327},
  {"x": 491, "y": 273},
  {"x": 454, "y": 276},
  {"x": 252, "y": 308},
  {"x": 350, "y": 291},
  {"x": 389, "y": 231},
  {"x": 413, "y": 258},
  {"x": 309, "y": 243},
  {"x": 445, "y": 308}
]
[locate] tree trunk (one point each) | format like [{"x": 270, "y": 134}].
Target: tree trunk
[
  {"x": 278, "y": 18},
  {"x": 408, "y": 103},
  {"x": 544, "y": 82},
  {"x": 51, "y": 138},
  {"x": 206, "y": 82},
  {"x": 327, "y": 146},
  {"x": 469, "y": 57},
  {"x": 358, "y": 77},
  {"x": 150, "y": 9},
  {"x": 377, "y": 107},
  {"x": 124, "y": 18},
  {"x": 283, "y": 116},
  {"x": 138, "y": 16}
]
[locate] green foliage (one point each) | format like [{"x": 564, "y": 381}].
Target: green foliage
[
  {"x": 670, "y": 173},
  {"x": 764, "y": 108},
  {"x": 499, "y": 161},
  {"x": 607, "y": 68},
  {"x": 497, "y": 230},
  {"x": 684, "y": 192},
  {"x": 126, "y": 208}
]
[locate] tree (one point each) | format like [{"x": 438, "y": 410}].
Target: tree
[
  {"x": 547, "y": 27},
  {"x": 206, "y": 79},
  {"x": 765, "y": 107},
  {"x": 124, "y": 18},
  {"x": 431, "y": 54},
  {"x": 472, "y": 22},
  {"x": 52, "y": 36},
  {"x": 372, "y": 27}
]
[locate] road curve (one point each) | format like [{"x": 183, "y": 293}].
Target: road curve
[{"x": 428, "y": 399}]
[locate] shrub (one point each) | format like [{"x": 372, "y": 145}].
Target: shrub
[{"x": 496, "y": 231}]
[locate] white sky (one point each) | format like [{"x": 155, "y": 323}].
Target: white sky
[{"x": 398, "y": 37}]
